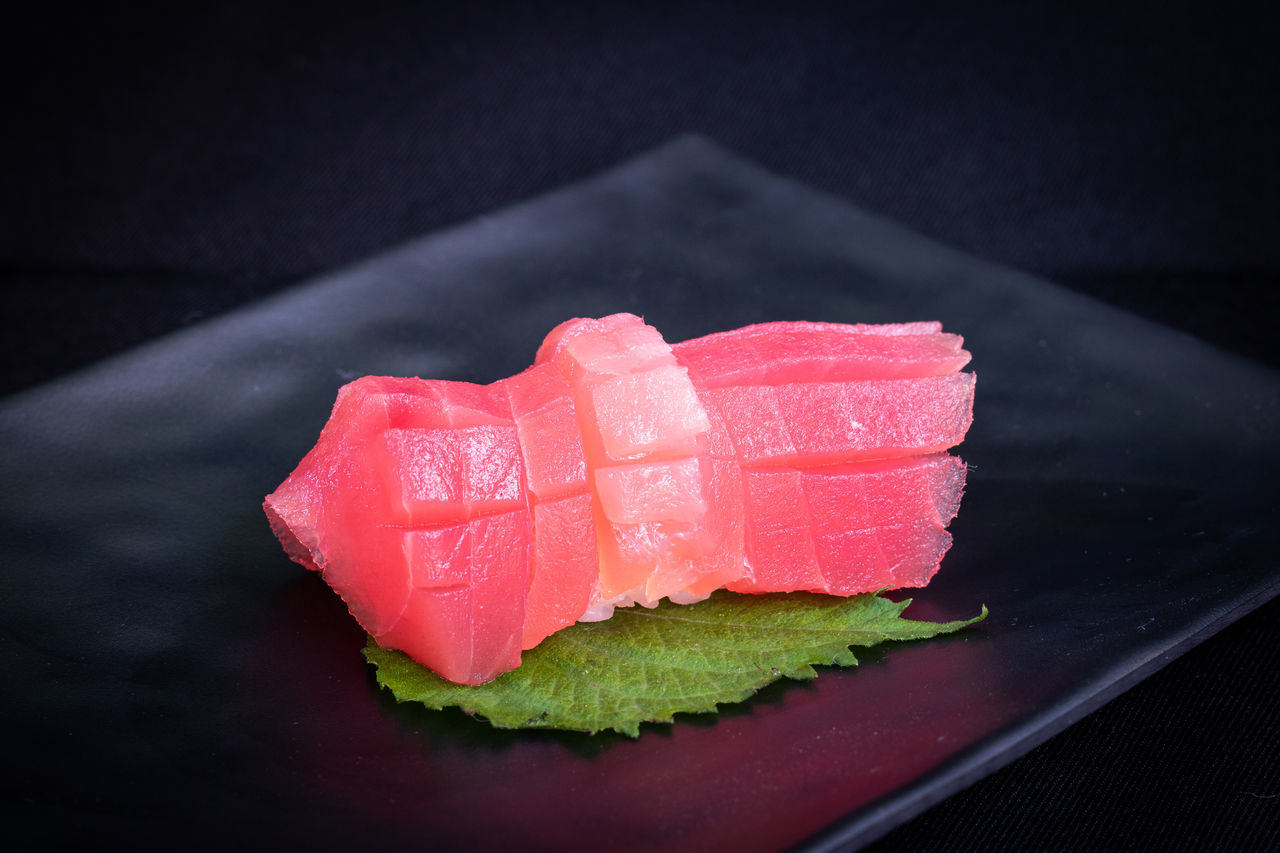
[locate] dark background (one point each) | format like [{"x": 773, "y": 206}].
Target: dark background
[{"x": 165, "y": 166}]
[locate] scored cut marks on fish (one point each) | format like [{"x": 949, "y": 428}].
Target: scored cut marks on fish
[{"x": 464, "y": 523}]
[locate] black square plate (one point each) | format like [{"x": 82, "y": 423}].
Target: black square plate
[{"x": 170, "y": 676}]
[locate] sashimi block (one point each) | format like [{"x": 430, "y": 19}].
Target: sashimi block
[
  {"x": 422, "y": 469},
  {"x": 400, "y": 463},
  {"x": 464, "y": 523},
  {"x": 652, "y": 411},
  {"x": 850, "y": 528},
  {"x": 644, "y": 561},
  {"x": 547, "y": 427},
  {"x": 753, "y": 423},
  {"x": 912, "y": 549},
  {"x": 780, "y": 552},
  {"x": 838, "y": 422},
  {"x": 820, "y": 423},
  {"x": 439, "y": 475},
  {"x": 776, "y": 353},
  {"x": 563, "y": 562},
  {"x": 652, "y": 491},
  {"x": 329, "y": 521},
  {"x": 904, "y": 506},
  {"x": 462, "y": 618},
  {"x": 724, "y": 525},
  {"x": 439, "y": 558},
  {"x": 645, "y": 437},
  {"x": 329, "y": 511},
  {"x": 563, "y": 567}
]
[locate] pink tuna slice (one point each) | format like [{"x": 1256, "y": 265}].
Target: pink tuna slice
[
  {"x": 645, "y": 433},
  {"x": 463, "y": 523},
  {"x": 412, "y": 505},
  {"x": 783, "y": 352},
  {"x": 853, "y": 528},
  {"x": 817, "y": 423},
  {"x": 563, "y": 565}
]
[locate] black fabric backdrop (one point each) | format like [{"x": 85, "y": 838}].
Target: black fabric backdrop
[{"x": 166, "y": 166}]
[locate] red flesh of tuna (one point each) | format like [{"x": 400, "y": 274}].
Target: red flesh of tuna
[{"x": 464, "y": 523}]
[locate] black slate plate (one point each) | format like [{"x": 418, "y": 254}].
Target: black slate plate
[{"x": 170, "y": 676}]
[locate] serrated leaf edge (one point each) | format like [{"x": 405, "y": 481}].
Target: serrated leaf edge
[{"x": 630, "y": 727}]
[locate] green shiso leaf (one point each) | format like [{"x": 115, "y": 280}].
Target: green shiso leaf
[{"x": 645, "y": 665}]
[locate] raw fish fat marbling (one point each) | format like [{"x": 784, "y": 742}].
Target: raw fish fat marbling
[{"x": 463, "y": 524}]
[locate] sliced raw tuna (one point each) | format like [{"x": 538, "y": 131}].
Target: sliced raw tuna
[
  {"x": 724, "y": 525},
  {"x": 777, "y": 353},
  {"x": 645, "y": 435},
  {"x": 542, "y": 407},
  {"x": 848, "y": 529},
  {"x": 563, "y": 564},
  {"x": 465, "y": 613},
  {"x": 822, "y": 423},
  {"x": 413, "y": 506},
  {"x": 464, "y": 523}
]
